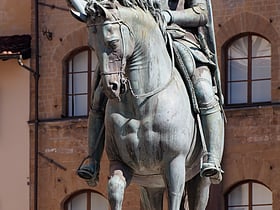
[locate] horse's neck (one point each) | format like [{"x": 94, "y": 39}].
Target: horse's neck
[{"x": 150, "y": 65}]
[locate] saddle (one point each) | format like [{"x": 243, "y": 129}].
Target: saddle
[{"x": 178, "y": 61}]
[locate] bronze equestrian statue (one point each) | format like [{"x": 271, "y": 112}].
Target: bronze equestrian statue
[{"x": 160, "y": 124}]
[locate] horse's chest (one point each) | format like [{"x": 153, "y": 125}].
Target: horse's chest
[
  {"x": 136, "y": 139},
  {"x": 137, "y": 133}
]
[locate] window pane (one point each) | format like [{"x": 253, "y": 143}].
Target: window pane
[
  {"x": 237, "y": 70},
  {"x": 238, "y": 208},
  {"x": 81, "y": 62},
  {"x": 78, "y": 202},
  {"x": 80, "y": 105},
  {"x": 80, "y": 83},
  {"x": 98, "y": 202},
  {"x": 262, "y": 207},
  {"x": 237, "y": 93},
  {"x": 261, "y": 194},
  {"x": 239, "y": 48},
  {"x": 261, "y": 91},
  {"x": 238, "y": 196},
  {"x": 260, "y": 47},
  {"x": 261, "y": 68}
]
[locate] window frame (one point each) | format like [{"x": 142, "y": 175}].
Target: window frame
[
  {"x": 250, "y": 194},
  {"x": 88, "y": 193},
  {"x": 67, "y": 93},
  {"x": 249, "y": 79}
]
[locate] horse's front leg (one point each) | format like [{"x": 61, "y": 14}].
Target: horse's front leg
[
  {"x": 117, "y": 183},
  {"x": 175, "y": 180}
]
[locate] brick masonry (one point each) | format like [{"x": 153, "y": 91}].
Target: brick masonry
[{"x": 252, "y": 134}]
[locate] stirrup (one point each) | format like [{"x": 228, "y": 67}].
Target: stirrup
[
  {"x": 86, "y": 171},
  {"x": 209, "y": 170},
  {"x": 209, "y": 166}
]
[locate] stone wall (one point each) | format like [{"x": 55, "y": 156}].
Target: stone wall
[
  {"x": 62, "y": 147},
  {"x": 252, "y": 148},
  {"x": 252, "y": 134}
]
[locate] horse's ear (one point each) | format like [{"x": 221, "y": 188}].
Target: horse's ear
[{"x": 102, "y": 11}]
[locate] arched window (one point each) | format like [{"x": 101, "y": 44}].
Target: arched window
[
  {"x": 87, "y": 200},
  {"x": 79, "y": 73},
  {"x": 249, "y": 196},
  {"x": 248, "y": 70}
]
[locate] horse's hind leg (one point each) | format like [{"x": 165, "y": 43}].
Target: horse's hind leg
[
  {"x": 151, "y": 198},
  {"x": 175, "y": 181},
  {"x": 198, "y": 192}
]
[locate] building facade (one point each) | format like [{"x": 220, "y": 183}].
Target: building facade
[
  {"x": 248, "y": 46},
  {"x": 14, "y": 106}
]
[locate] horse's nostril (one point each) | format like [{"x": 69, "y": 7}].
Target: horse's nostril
[{"x": 114, "y": 86}]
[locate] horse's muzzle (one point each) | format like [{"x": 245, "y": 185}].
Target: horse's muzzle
[{"x": 112, "y": 86}]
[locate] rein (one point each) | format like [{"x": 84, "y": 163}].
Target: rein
[
  {"x": 151, "y": 93},
  {"x": 121, "y": 72},
  {"x": 157, "y": 90},
  {"x": 125, "y": 82}
]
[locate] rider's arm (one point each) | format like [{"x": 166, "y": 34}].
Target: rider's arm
[{"x": 191, "y": 17}]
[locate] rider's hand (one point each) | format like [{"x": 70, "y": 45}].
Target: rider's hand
[{"x": 167, "y": 16}]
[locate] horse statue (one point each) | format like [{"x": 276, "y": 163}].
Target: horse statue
[{"x": 150, "y": 131}]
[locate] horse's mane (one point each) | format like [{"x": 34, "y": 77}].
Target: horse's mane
[{"x": 152, "y": 6}]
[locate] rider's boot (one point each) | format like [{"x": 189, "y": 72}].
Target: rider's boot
[
  {"x": 213, "y": 127},
  {"x": 90, "y": 171}
]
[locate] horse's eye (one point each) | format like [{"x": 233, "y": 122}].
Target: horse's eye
[{"x": 113, "y": 44}]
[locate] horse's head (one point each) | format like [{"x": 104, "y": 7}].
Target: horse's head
[{"x": 110, "y": 38}]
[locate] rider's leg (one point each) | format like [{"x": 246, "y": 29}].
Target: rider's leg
[
  {"x": 90, "y": 171},
  {"x": 211, "y": 115},
  {"x": 212, "y": 121}
]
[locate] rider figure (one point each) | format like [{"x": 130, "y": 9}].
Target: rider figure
[{"x": 186, "y": 22}]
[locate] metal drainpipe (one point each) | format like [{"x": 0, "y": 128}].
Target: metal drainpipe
[
  {"x": 36, "y": 114},
  {"x": 36, "y": 126}
]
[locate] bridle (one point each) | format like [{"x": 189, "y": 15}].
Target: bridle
[
  {"x": 121, "y": 73},
  {"x": 124, "y": 80}
]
